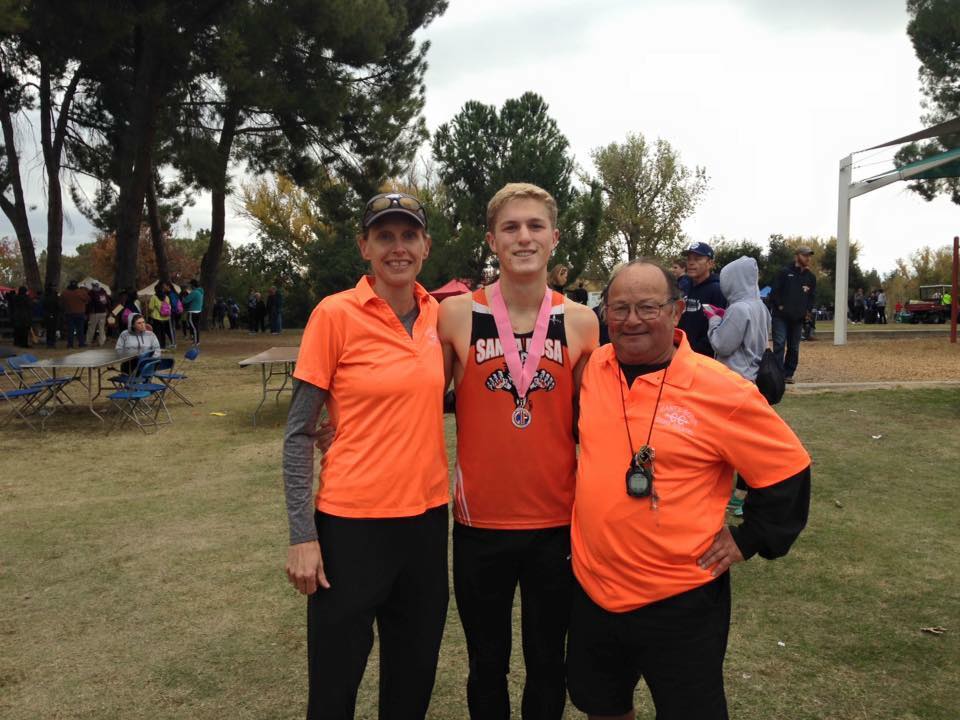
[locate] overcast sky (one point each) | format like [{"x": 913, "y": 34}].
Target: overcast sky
[{"x": 767, "y": 95}]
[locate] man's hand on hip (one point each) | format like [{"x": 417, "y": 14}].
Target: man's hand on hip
[
  {"x": 305, "y": 567},
  {"x": 721, "y": 554}
]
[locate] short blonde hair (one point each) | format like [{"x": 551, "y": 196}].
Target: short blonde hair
[{"x": 520, "y": 191}]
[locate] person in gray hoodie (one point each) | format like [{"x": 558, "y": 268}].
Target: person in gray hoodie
[
  {"x": 137, "y": 337},
  {"x": 739, "y": 334}
]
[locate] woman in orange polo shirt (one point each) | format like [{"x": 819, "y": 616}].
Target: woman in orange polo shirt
[{"x": 371, "y": 546}]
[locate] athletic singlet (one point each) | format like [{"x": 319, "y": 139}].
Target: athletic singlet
[{"x": 511, "y": 477}]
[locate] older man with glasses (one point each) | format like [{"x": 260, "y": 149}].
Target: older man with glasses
[{"x": 662, "y": 430}]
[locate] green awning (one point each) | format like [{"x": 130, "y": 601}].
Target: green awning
[{"x": 947, "y": 170}]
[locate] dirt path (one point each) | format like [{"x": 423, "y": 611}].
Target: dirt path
[{"x": 879, "y": 360}]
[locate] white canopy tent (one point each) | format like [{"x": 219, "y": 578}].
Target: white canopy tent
[
  {"x": 849, "y": 190},
  {"x": 88, "y": 282},
  {"x": 151, "y": 289}
]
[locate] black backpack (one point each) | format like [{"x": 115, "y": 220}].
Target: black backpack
[{"x": 770, "y": 378}]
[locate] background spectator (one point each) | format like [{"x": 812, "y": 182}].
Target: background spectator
[
  {"x": 51, "y": 315},
  {"x": 274, "y": 310},
  {"x": 160, "y": 313},
  {"x": 703, "y": 289},
  {"x": 193, "y": 308},
  {"x": 75, "y": 300},
  {"x": 579, "y": 294},
  {"x": 98, "y": 308},
  {"x": 22, "y": 315},
  {"x": 791, "y": 299},
  {"x": 219, "y": 313},
  {"x": 137, "y": 337},
  {"x": 233, "y": 313},
  {"x": 557, "y": 279},
  {"x": 260, "y": 313}
]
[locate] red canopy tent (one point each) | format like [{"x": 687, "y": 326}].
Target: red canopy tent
[
  {"x": 454, "y": 287},
  {"x": 4, "y": 289}
]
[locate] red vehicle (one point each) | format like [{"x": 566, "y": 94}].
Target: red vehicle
[{"x": 929, "y": 308}]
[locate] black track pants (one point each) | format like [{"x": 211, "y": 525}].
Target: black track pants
[
  {"x": 392, "y": 571},
  {"x": 487, "y": 567}
]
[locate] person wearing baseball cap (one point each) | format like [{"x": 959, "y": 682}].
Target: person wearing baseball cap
[
  {"x": 791, "y": 300},
  {"x": 702, "y": 289},
  {"x": 371, "y": 544}
]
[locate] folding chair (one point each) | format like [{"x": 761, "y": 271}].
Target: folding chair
[
  {"x": 124, "y": 377},
  {"x": 20, "y": 400},
  {"x": 53, "y": 386},
  {"x": 140, "y": 401},
  {"x": 171, "y": 379},
  {"x": 36, "y": 379},
  {"x": 144, "y": 380}
]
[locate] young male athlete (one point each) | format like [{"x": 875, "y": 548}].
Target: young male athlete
[{"x": 515, "y": 351}]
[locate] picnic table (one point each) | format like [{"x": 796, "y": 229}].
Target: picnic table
[
  {"x": 99, "y": 360},
  {"x": 275, "y": 362}
]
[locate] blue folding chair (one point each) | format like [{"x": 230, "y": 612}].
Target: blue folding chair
[
  {"x": 139, "y": 401},
  {"x": 145, "y": 380},
  {"x": 28, "y": 378},
  {"x": 165, "y": 373},
  {"x": 124, "y": 377},
  {"x": 21, "y": 402}
]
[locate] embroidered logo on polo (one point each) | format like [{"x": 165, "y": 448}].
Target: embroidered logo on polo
[{"x": 677, "y": 417}]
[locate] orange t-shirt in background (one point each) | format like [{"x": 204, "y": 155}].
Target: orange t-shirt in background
[
  {"x": 709, "y": 422},
  {"x": 388, "y": 457}
]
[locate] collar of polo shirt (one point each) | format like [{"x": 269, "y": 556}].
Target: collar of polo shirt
[
  {"x": 366, "y": 293},
  {"x": 681, "y": 371}
]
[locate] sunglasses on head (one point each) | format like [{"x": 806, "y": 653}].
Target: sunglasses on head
[{"x": 386, "y": 201}]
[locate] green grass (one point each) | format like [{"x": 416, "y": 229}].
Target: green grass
[{"x": 143, "y": 578}]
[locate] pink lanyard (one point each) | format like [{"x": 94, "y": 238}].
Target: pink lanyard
[{"x": 522, "y": 374}]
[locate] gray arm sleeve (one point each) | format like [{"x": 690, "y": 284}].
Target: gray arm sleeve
[{"x": 298, "y": 442}]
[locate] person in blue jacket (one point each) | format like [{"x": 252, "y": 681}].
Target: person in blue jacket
[
  {"x": 703, "y": 289},
  {"x": 791, "y": 300},
  {"x": 193, "y": 307}
]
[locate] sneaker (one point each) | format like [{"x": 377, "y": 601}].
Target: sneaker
[{"x": 789, "y": 380}]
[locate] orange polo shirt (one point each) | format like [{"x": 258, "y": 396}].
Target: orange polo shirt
[
  {"x": 388, "y": 457},
  {"x": 710, "y": 422}
]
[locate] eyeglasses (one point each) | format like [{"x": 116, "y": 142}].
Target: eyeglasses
[
  {"x": 378, "y": 203},
  {"x": 644, "y": 311}
]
